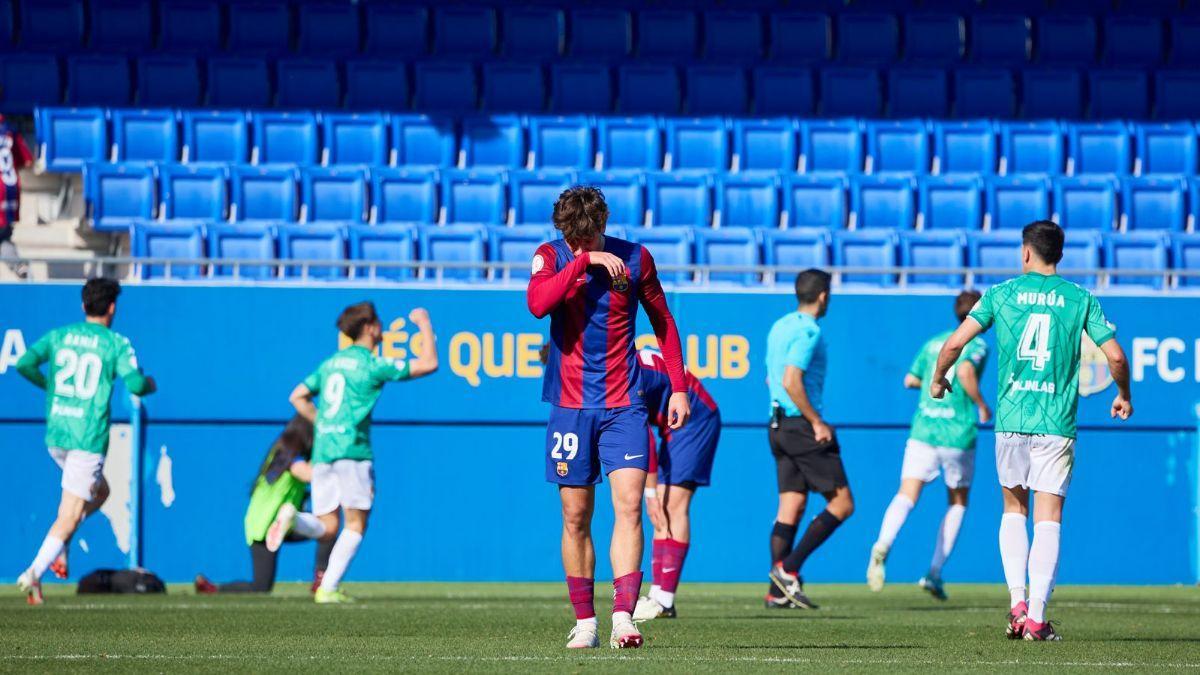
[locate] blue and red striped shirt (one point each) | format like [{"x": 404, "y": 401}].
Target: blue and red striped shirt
[
  {"x": 657, "y": 389},
  {"x": 14, "y": 155},
  {"x": 592, "y": 361}
]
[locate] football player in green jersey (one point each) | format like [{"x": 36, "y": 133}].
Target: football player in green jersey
[
  {"x": 942, "y": 440},
  {"x": 85, "y": 358},
  {"x": 1040, "y": 319},
  {"x": 349, "y": 384}
]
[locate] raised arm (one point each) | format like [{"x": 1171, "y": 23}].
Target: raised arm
[
  {"x": 952, "y": 348},
  {"x": 427, "y": 361},
  {"x": 547, "y": 289}
]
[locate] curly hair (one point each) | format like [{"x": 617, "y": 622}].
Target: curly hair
[{"x": 580, "y": 214}]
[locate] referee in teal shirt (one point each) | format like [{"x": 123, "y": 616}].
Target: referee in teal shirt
[{"x": 807, "y": 456}]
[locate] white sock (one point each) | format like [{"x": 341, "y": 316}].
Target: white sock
[
  {"x": 1043, "y": 567},
  {"x": 592, "y": 622},
  {"x": 893, "y": 519},
  {"x": 51, "y": 547},
  {"x": 947, "y": 534},
  {"x": 308, "y": 526},
  {"x": 339, "y": 558},
  {"x": 1014, "y": 554},
  {"x": 654, "y": 588},
  {"x": 664, "y": 598}
]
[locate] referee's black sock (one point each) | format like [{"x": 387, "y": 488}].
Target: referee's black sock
[
  {"x": 818, "y": 531},
  {"x": 783, "y": 536}
]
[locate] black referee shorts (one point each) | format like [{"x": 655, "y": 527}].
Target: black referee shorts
[{"x": 801, "y": 463}]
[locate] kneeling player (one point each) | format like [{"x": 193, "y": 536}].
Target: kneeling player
[
  {"x": 685, "y": 460},
  {"x": 942, "y": 440}
]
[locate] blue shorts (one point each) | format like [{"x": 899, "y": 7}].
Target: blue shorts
[
  {"x": 581, "y": 442},
  {"x": 687, "y": 455}
]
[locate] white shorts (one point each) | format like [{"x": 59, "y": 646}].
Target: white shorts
[
  {"x": 349, "y": 483},
  {"x": 1040, "y": 462},
  {"x": 82, "y": 471},
  {"x": 924, "y": 462}
]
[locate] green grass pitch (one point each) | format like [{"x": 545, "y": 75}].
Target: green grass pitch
[{"x": 522, "y": 628}]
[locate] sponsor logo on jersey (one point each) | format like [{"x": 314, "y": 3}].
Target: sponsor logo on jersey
[
  {"x": 1094, "y": 376},
  {"x": 562, "y": 468},
  {"x": 621, "y": 283}
]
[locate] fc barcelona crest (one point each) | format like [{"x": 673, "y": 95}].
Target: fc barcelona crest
[
  {"x": 562, "y": 469},
  {"x": 621, "y": 284}
]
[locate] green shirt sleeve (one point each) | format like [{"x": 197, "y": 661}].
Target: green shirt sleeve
[
  {"x": 313, "y": 382},
  {"x": 127, "y": 369},
  {"x": 917, "y": 369},
  {"x": 1096, "y": 324},
  {"x": 984, "y": 310},
  {"x": 384, "y": 370},
  {"x": 30, "y": 363},
  {"x": 976, "y": 354}
]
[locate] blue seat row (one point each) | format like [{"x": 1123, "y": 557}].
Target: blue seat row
[{"x": 118, "y": 194}]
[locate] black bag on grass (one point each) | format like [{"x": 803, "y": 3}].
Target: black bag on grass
[{"x": 121, "y": 581}]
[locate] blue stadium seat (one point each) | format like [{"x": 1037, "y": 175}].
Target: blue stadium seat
[
  {"x": 851, "y": 91},
  {"x": 516, "y": 245},
  {"x": 72, "y": 137},
  {"x": 933, "y": 37},
  {"x": 533, "y": 32},
  {"x": 1031, "y": 147},
  {"x": 514, "y": 87},
  {"x": 918, "y": 92},
  {"x": 1132, "y": 41},
  {"x": 421, "y": 140},
  {"x": 475, "y": 196},
  {"x": 995, "y": 250},
  {"x": 238, "y": 83},
  {"x": 119, "y": 195},
  {"x": 670, "y": 246},
  {"x": 145, "y": 135},
  {"x": 1052, "y": 92},
  {"x": 561, "y": 142},
  {"x": 964, "y": 147},
  {"x": 327, "y": 29},
  {"x": 1185, "y": 40},
  {"x": 717, "y": 90},
  {"x": 748, "y": 200},
  {"x": 784, "y": 90},
  {"x": 1081, "y": 251},
  {"x": 1015, "y": 201},
  {"x": 984, "y": 92},
  {"x": 166, "y": 80},
  {"x": 215, "y": 136},
  {"x": 404, "y": 195},
  {"x": 629, "y": 143},
  {"x": 733, "y": 36},
  {"x": 729, "y": 248},
  {"x": 581, "y": 88},
  {"x": 867, "y": 37},
  {"x": 601, "y": 33},
  {"x": 285, "y": 137},
  {"x": 1177, "y": 94},
  {"x": 800, "y": 37},
  {"x": 98, "y": 79},
  {"x": 383, "y": 244},
  {"x": 30, "y": 80},
  {"x": 1066, "y": 39},
  {"x": 532, "y": 194},
  {"x": 308, "y": 83},
  {"x": 335, "y": 194},
  {"x": 1154, "y": 203},
  {"x": 1137, "y": 251},
  {"x": 464, "y": 31},
  {"x": 376, "y": 85},
  {"x": 866, "y": 248},
  {"x": 121, "y": 26},
  {"x": 935, "y": 250},
  {"x": 189, "y": 26},
  {"x": 444, "y": 86},
  {"x": 1085, "y": 202},
  {"x": 814, "y": 201},
  {"x": 999, "y": 39},
  {"x": 679, "y": 199},
  {"x": 193, "y": 191},
  {"x": 52, "y": 25},
  {"x": 263, "y": 193},
  {"x": 1099, "y": 148},
  {"x": 648, "y": 89},
  {"x": 697, "y": 143},
  {"x": 1185, "y": 255},
  {"x": 493, "y": 141},
  {"x": 882, "y": 202},
  {"x": 901, "y": 145},
  {"x": 318, "y": 243},
  {"x": 453, "y": 244},
  {"x": 831, "y": 145},
  {"x": 765, "y": 144},
  {"x": 950, "y": 202},
  {"x": 177, "y": 240},
  {"x": 261, "y": 28},
  {"x": 395, "y": 30},
  {"x": 667, "y": 34},
  {"x": 1168, "y": 147},
  {"x": 243, "y": 242},
  {"x": 798, "y": 249},
  {"x": 355, "y": 138},
  {"x": 1119, "y": 94},
  {"x": 623, "y": 193}
]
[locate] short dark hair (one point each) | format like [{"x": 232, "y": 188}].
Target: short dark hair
[
  {"x": 810, "y": 284},
  {"x": 99, "y": 295},
  {"x": 1045, "y": 237},
  {"x": 964, "y": 303},
  {"x": 580, "y": 214},
  {"x": 356, "y": 317}
]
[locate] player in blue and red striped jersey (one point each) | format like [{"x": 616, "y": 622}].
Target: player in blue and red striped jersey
[
  {"x": 14, "y": 155},
  {"x": 591, "y": 286}
]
